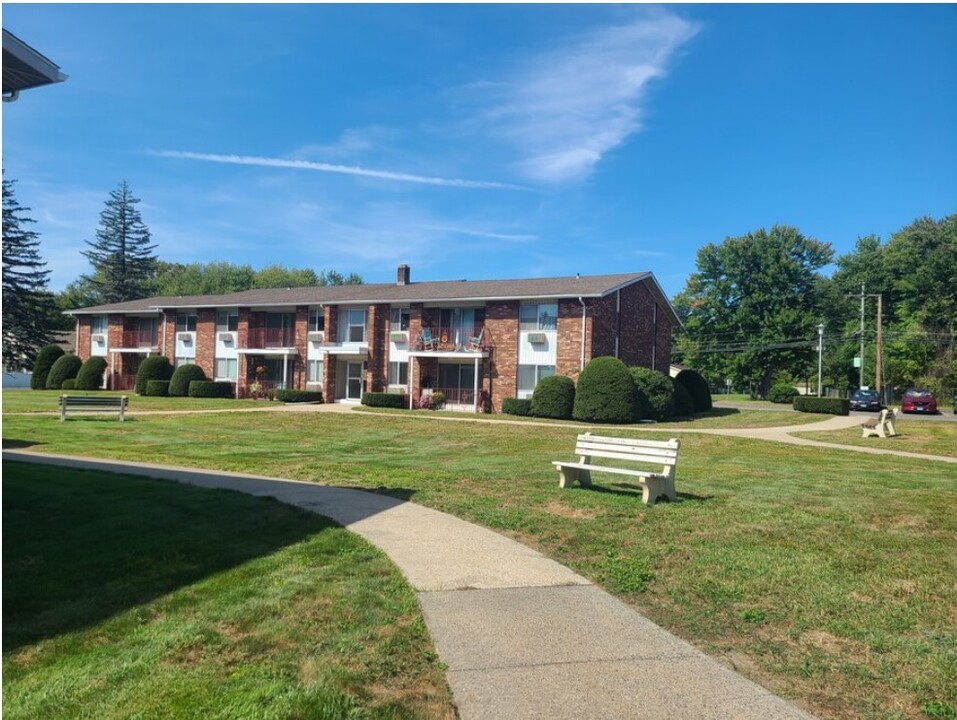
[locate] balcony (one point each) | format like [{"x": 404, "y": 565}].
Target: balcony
[
  {"x": 266, "y": 338},
  {"x": 451, "y": 339},
  {"x": 139, "y": 339}
]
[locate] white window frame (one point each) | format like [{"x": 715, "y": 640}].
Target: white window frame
[
  {"x": 545, "y": 317},
  {"x": 395, "y": 373},
  {"x": 315, "y": 316},
  {"x": 190, "y": 320},
  {"x": 315, "y": 370},
  {"x": 540, "y": 371},
  {"x": 230, "y": 326},
  {"x": 227, "y": 376},
  {"x": 399, "y": 319},
  {"x": 350, "y": 325}
]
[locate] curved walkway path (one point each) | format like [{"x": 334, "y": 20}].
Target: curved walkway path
[{"x": 522, "y": 636}]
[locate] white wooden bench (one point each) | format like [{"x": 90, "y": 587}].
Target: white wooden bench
[
  {"x": 93, "y": 403},
  {"x": 631, "y": 450},
  {"x": 882, "y": 426}
]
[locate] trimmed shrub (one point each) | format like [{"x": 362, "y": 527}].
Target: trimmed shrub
[
  {"x": 438, "y": 400},
  {"x": 209, "y": 388},
  {"x": 182, "y": 377},
  {"x": 385, "y": 400},
  {"x": 65, "y": 368},
  {"x": 517, "y": 406},
  {"x": 90, "y": 376},
  {"x": 157, "y": 388},
  {"x": 782, "y": 392},
  {"x": 554, "y": 397},
  {"x": 825, "y": 406},
  {"x": 657, "y": 389},
  {"x": 48, "y": 355},
  {"x": 684, "y": 405},
  {"x": 294, "y": 396},
  {"x": 69, "y": 384},
  {"x": 698, "y": 388},
  {"x": 155, "y": 367},
  {"x": 605, "y": 392}
]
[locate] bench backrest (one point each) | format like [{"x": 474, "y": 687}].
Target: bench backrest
[
  {"x": 92, "y": 401},
  {"x": 661, "y": 452}
]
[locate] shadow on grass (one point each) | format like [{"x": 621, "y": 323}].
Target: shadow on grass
[
  {"x": 82, "y": 546},
  {"x": 635, "y": 490},
  {"x": 15, "y": 444},
  {"x": 712, "y": 413}
]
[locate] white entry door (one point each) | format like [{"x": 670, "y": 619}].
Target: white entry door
[{"x": 354, "y": 380}]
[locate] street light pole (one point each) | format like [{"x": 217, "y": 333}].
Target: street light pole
[{"x": 820, "y": 356}]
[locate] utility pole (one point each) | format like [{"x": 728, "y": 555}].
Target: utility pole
[
  {"x": 880, "y": 342},
  {"x": 820, "y": 356},
  {"x": 877, "y": 370},
  {"x": 861, "y": 382}
]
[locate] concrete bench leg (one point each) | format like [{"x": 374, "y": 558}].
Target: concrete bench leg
[
  {"x": 651, "y": 489},
  {"x": 567, "y": 476}
]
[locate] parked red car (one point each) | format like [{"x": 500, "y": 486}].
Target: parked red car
[{"x": 918, "y": 401}]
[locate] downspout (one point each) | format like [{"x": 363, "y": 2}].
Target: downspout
[
  {"x": 584, "y": 309},
  {"x": 654, "y": 339},
  {"x": 618, "y": 324},
  {"x": 163, "y": 320},
  {"x": 76, "y": 344}
]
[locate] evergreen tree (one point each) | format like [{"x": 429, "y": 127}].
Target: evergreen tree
[
  {"x": 122, "y": 256},
  {"x": 27, "y": 306}
]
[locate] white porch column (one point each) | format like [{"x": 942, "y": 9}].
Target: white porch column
[
  {"x": 285, "y": 373},
  {"x": 475, "y": 385},
  {"x": 411, "y": 381}
]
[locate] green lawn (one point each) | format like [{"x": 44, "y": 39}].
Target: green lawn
[
  {"x": 828, "y": 576},
  {"x": 125, "y": 597},
  {"x": 919, "y": 436},
  {"x": 48, "y": 401}
]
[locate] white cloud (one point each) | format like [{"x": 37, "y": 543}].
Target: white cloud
[
  {"x": 566, "y": 108},
  {"x": 340, "y": 169}
]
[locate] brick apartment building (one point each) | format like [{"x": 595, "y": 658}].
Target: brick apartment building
[{"x": 470, "y": 339}]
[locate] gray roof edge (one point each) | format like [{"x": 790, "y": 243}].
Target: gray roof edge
[{"x": 32, "y": 57}]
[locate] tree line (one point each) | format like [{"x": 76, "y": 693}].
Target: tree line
[
  {"x": 123, "y": 266},
  {"x": 752, "y": 308}
]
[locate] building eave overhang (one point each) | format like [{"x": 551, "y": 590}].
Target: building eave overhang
[{"x": 24, "y": 68}]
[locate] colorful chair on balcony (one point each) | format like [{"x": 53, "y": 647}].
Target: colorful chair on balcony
[{"x": 428, "y": 342}]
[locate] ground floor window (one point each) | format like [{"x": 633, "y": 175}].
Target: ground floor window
[
  {"x": 398, "y": 373},
  {"x": 227, "y": 369},
  {"x": 183, "y": 360},
  {"x": 529, "y": 376},
  {"x": 314, "y": 371}
]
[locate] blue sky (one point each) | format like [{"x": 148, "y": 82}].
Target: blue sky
[{"x": 490, "y": 141}]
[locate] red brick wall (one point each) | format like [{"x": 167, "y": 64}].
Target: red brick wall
[
  {"x": 166, "y": 327},
  {"x": 302, "y": 349},
  {"x": 568, "y": 354},
  {"x": 242, "y": 341},
  {"x": 85, "y": 325},
  {"x": 206, "y": 340},
  {"x": 331, "y": 315},
  {"x": 501, "y": 369},
  {"x": 377, "y": 332}
]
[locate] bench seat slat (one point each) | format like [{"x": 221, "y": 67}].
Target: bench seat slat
[
  {"x": 603, "y": 468},
  {"x": 588, "y": 437},
  {"x": 630, "y": 457},
  {"x": 585, "y": 448}
]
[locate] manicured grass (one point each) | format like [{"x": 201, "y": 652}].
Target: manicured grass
[
  {"x": 828, "y": 576},
  {"x": 48, "y": 401},
  {"x": 919, "y": 436},
  {"x": 126, "y": 597}
]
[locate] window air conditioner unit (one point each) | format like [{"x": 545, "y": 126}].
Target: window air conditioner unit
[
  {"x": 99, "y": 338},
  {"x": 227, "y": 337},
  {"x": 185, "y": 338},
  {"x": 317, "y": 336},
  {"x": 399, "y": 336},
  {"x": 537, "y": 338}
]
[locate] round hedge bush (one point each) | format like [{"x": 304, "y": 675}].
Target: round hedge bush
[
  {"x": 517, "y": 406},
  {"x": 90, "y": 376},
  {"x": 157, "y": 388},
  {"x": 657, "y": 389},
  {"x": 554, "y": 397},
  {"x": 698, "y": 388},
  {"x": 65, "y": 368},
  {"x": 208, "y": 388},
  {"x": 782, "y": 392},
  {"x": 182, "y": 377},
  {"x": 155, "y": 367},
  {"x": 605, "y": 392},
  {"x": 684, "y": 405},
  {"x": 69, "y": 384},
  {"x": 293, "y": 396},
  {"x": 48, "y": 355}
]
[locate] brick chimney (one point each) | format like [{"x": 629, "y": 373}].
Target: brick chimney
[{"x": 402, "y": 277}]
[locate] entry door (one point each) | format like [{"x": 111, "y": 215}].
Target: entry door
[{"x": 353, "y": 381}]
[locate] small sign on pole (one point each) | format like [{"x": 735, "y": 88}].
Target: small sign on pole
[{"x": 857, "y": 362}]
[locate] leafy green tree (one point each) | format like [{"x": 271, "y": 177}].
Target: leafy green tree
[
  {"x": 220, "y": 278},
  {"x": 27, "y": 305},
  {"x": 122, "y": 256},
  {"x": 751, "y": 309}
]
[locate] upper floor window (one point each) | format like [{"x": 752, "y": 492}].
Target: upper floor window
[
  {"x": 99, "y": 324},
  {"x": 537, "y": 318},
  {"x": 353, "y": 323},
  {"x": 317, "y": 320},
  {"x": 399, "y": 319},
  {"x": 227, "y": 320},
  {"x": 185, "y": 322}
]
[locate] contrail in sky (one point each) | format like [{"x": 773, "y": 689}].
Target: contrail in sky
[{"x": 340, "y": 169}]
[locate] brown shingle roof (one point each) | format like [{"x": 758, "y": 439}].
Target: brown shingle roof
[{"x": 447, "y": 290}]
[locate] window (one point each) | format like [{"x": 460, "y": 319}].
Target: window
[
  {"x": 314, "y": 371},
  {"x": 98, "y": 324},
  {"x": 317, "y": 320},
  {"x": 529, "y": 376},
  {"x": 399, "y": 319},
  {"x": 398, "y": 373},
  {"x": 182, "y": 360},
  {"x": 227, "y": 321},
  {"x": 185, "y": 322},
  {"x": 226, "y": 369},
  {"x": 356, "y": 329},
  {"x": 536, "y": 318}
]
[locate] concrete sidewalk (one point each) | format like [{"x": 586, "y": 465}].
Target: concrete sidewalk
[{"x": 522, "y": 636}]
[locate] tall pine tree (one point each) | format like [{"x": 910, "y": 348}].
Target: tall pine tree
[
  {"x": 27, "y": 305},
  {"x": 122, "y": 256}
]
